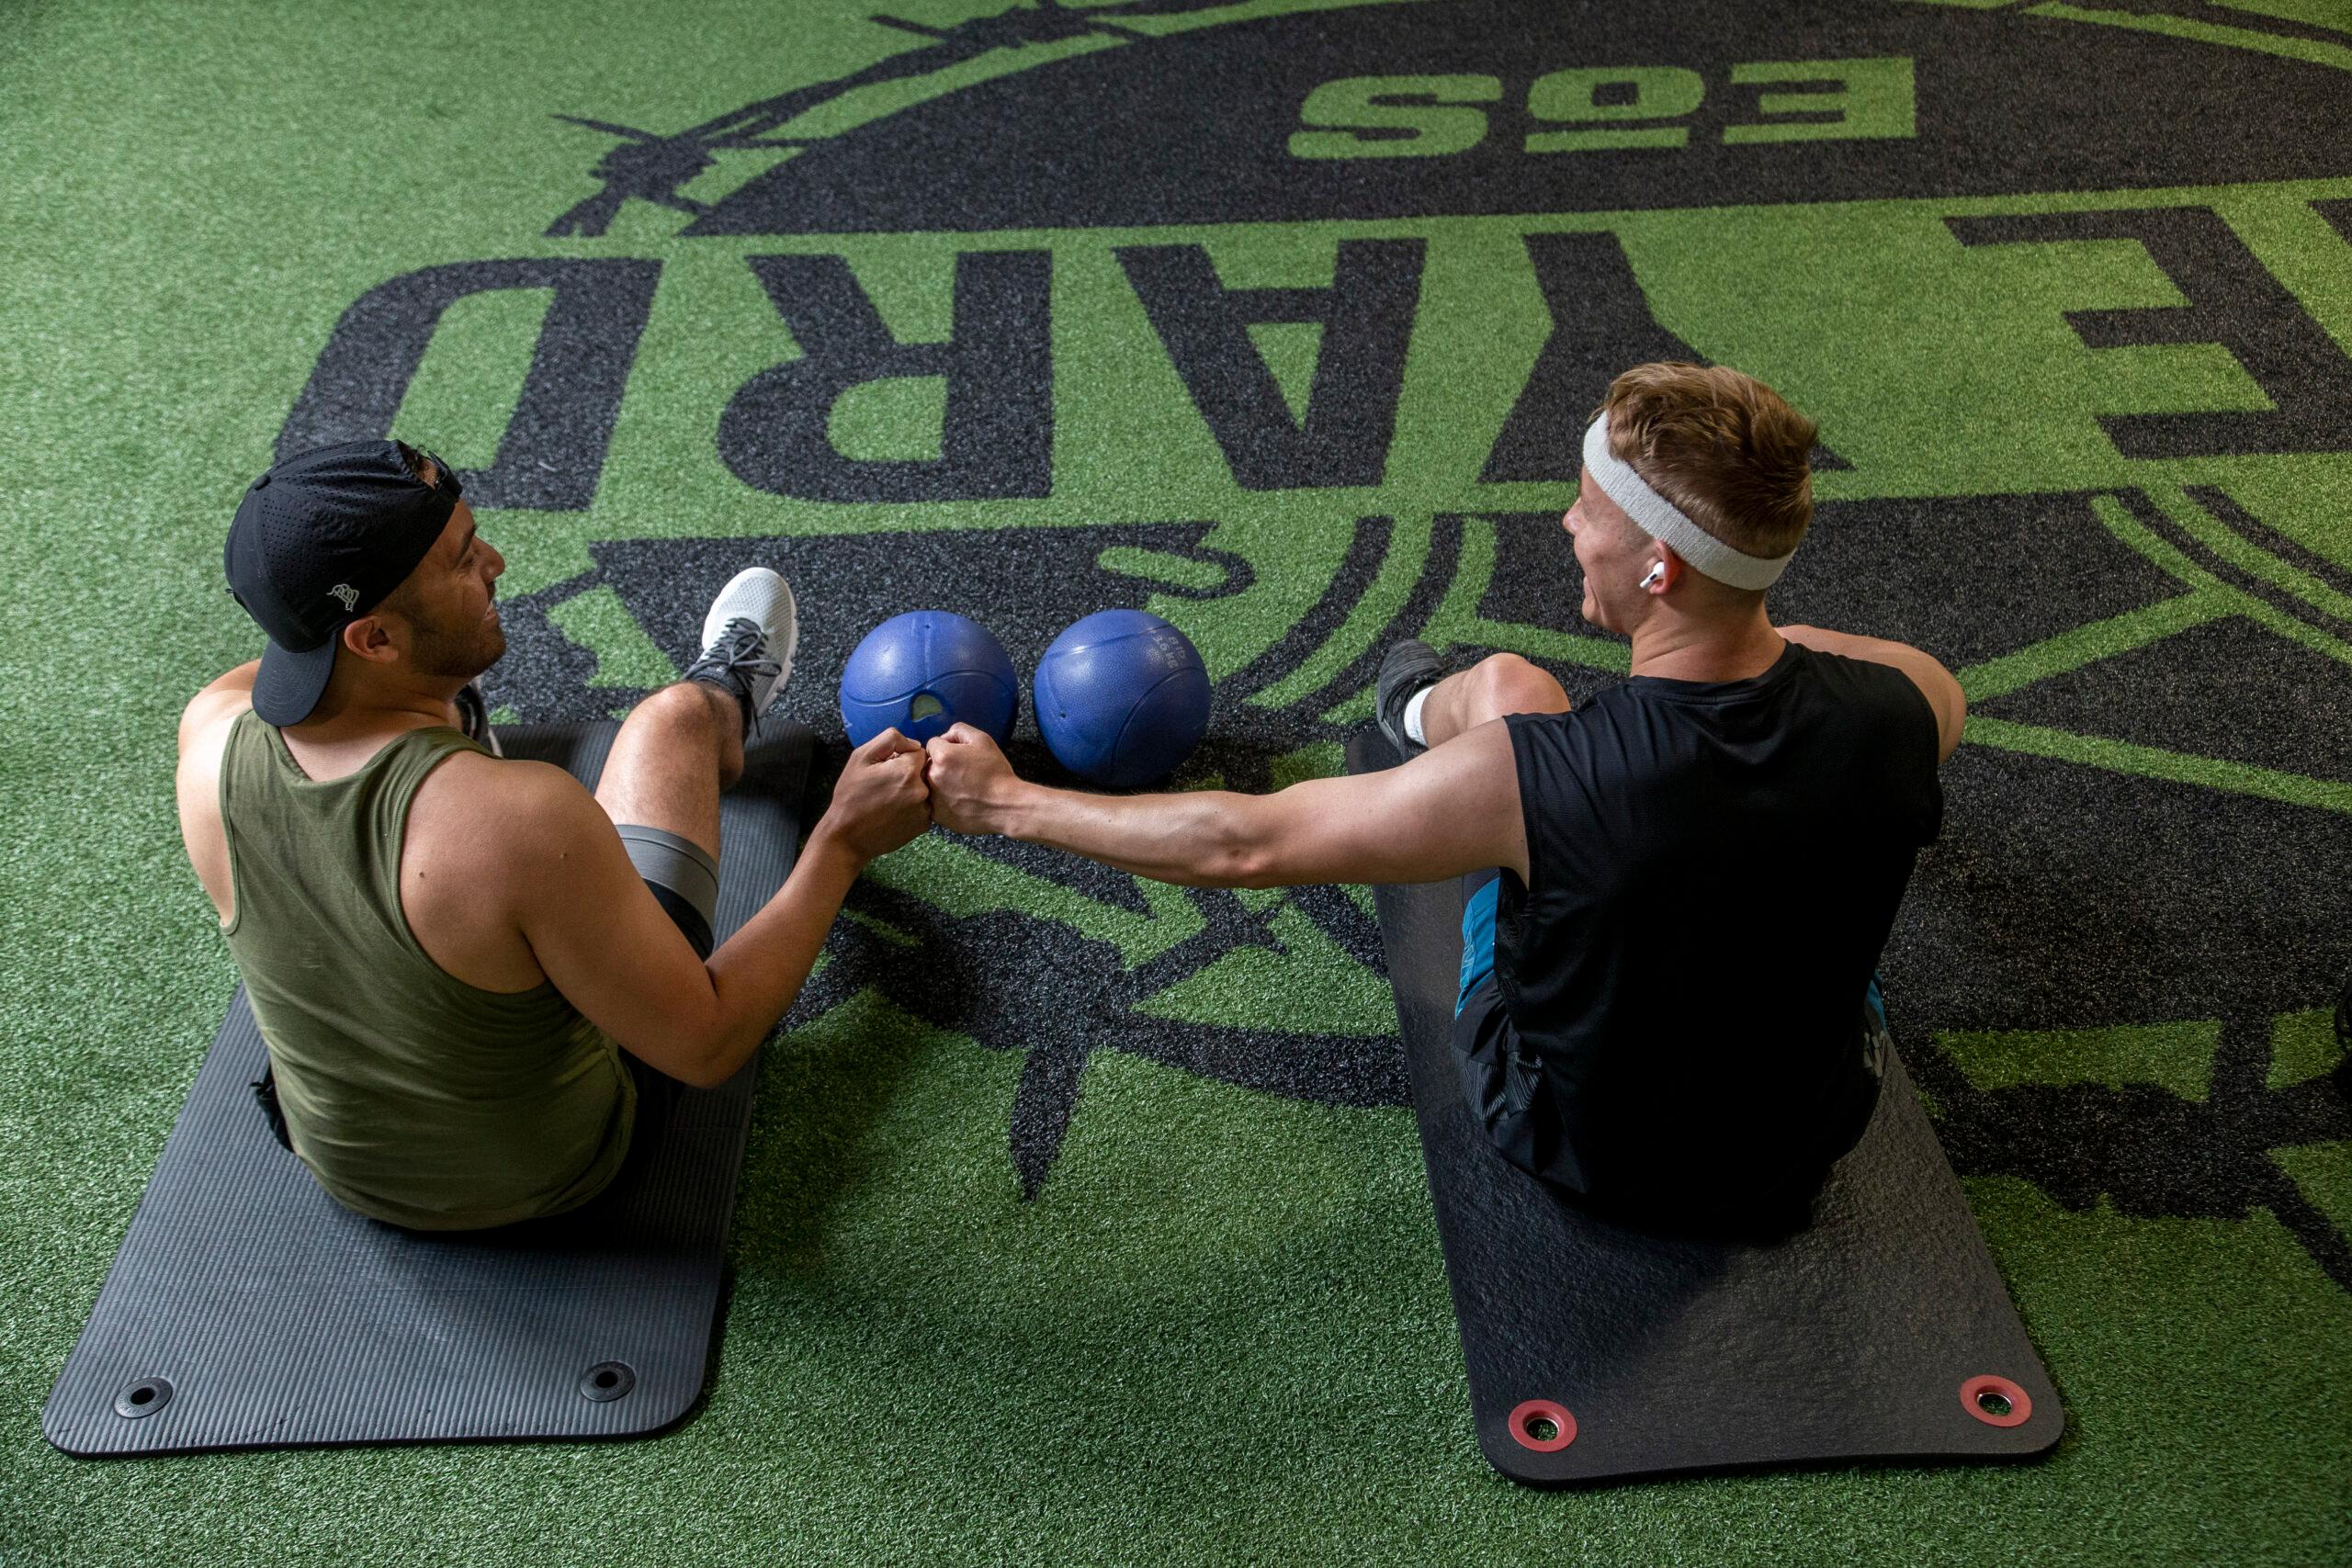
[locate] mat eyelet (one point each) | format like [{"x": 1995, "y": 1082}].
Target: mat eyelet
[
  {"x": 1542, "y": 1426},
  {"x": 143, "y": 1397},
  {"x": 1996, "y": 1402},
  {"x": 607, "y": 1380}
]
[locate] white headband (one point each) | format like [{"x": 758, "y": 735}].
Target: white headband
[{"x": 1663, "y": 520}]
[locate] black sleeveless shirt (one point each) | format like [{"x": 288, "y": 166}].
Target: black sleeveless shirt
[{"x": 1712, "y": 868}]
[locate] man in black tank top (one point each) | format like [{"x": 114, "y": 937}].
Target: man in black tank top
[
  {"x": 1670, "y": 1007},
  {"x": 1679, "y": 892}
]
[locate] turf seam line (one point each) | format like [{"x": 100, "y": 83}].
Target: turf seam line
[
  {"x": 2271, "y": 607},
  {"x": 1409, "y": 543},
  {"x": 1358, "y": 573},
  {"x": 1439, "y": 566},
  {"x": 2262, "y": 537}
]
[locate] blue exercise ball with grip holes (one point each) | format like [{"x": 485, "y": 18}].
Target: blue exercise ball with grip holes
[
  {"x": 1122, "y": 698},
  {"x": 922, "y": 672}
]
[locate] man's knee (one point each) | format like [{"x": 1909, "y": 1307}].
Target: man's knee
[
  {"x": 695, "y": 712},
  {"x": 684, "y": 703},
  {"x": 684, "y": 726},
  {"x": 1506, "y": 682}
]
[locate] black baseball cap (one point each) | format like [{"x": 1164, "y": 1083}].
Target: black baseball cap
[{"x": 318, "y": 542}]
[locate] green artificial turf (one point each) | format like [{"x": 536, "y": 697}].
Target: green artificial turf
[{"x": 1219, "y": 1330}]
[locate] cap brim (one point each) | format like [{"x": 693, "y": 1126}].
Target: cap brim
[{"x": 290, "y": 684}]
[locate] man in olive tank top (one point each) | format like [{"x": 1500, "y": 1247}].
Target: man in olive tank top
[
  {"x": 1676, "y": 894},
  {"x": 469, "y": 971}
]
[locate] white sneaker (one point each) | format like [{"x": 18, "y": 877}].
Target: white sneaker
[{"x": 748, "y": 639}]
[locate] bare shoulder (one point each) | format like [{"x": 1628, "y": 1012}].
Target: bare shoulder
[
  {"x": 204, "y": 729},
  {"x": 501, "y": 812},
  {"x": 1945, "y": 698},
  {"x": 486, "y": 837},
  {"x": 210, "y": 712}
]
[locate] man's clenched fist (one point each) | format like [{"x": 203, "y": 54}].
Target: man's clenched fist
[
  {"x": 881, "y": 799},
  {"x": 971, "y": 784}
]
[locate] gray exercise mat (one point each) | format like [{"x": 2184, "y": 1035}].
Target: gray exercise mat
[
  {"x": 1599, "y": 1352},
  {"x": 246, "y": 1309}
]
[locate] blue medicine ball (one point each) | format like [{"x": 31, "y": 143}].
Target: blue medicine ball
[
  {"x": 1122, "y": 698},
  {"x": 920, "y": 672}
]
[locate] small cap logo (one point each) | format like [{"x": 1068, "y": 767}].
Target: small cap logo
[{"x": 346, "y": 595}]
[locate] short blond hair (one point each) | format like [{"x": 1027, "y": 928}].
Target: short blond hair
[{"x": 1722, "y": 447}]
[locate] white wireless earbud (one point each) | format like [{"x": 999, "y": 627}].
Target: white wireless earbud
[{"x": 1657, "y": 571}]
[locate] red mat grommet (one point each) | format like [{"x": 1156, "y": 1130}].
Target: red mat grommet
[
  {"x": 1542, "y": 1426},
  {"x": 1996, "y": 1402}
]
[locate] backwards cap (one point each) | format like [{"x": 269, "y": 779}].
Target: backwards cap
[{"x": 318, "y": 542}]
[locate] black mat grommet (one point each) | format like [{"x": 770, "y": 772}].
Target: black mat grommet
[
  {"x": 607, "y": 1380},
  {"x": 144, "y": 1397}
]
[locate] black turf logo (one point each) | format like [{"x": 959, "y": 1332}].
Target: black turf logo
[
  {"x": 1367, "y": 109},
  {"x": 1549, "y": 159}
]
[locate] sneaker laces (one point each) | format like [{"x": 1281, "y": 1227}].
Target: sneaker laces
[{"x": 737, "y": 659}]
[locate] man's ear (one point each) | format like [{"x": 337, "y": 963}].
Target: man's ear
[{"x": 367, "y": 638}]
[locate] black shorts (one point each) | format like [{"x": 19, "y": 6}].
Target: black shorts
[
  {"x": 1501, "y": 1076},
  {"x": 1515, "y": 1103}
]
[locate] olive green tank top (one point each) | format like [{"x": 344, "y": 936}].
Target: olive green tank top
[{"x": 413, "y": 1096}]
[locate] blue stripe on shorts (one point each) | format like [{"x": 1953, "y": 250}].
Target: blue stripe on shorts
[{"x": 1478, "y": 941}]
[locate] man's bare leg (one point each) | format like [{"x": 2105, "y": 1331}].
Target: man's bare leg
[
  {"x": 1498, "y": 684},
  {"x": 676, "y": 750}
]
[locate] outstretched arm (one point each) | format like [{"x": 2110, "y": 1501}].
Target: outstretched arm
[{"x": 1451, "y": 810}]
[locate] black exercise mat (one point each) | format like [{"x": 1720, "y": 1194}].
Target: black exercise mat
[
  {"x": 246, "y": 1309},
  {"x": 1863, "y": 1336}
]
